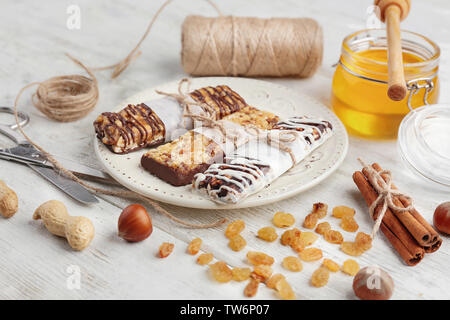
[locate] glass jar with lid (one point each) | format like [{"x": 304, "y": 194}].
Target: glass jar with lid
[{"x": 359, "y": 90}]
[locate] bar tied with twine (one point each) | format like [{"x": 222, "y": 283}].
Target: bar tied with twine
[
  {"x": 208, "y": 119},
  {"x": 393, "y": 211}
]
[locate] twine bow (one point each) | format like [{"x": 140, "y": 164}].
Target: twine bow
[{"x": 383, "y": 186}]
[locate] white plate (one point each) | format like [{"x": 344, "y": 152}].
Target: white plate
[{"x": 264, "y": 95}]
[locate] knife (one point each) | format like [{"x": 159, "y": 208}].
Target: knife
[
  {"x": 67, "y": 185},
  {"x": 28, "y": 154}
]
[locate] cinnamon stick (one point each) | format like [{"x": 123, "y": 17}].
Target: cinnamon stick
[
  {"x": 392, "y": 228},
  {"x": 417, "y": 230},
  {"x": 435, "y": 240}
]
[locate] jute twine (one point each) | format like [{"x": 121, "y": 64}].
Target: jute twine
[
  {"x": 385, "y": 193},
  {"x": 251, "y": 47}
]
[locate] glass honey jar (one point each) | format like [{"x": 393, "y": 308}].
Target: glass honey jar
[{"x": 359, "y": 89}]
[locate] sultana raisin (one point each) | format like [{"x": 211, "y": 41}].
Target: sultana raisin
[
  {"x": 323, "y": 227},
  {"x": 297, "y": 245},
  {"x": 331, "y": 265},
  {"x": 241, "y": 274},
  {"x": 363, "y": 241},
  {"x": 237, "y": 243},
  {"x": 348, "y": 223},
  {"x": 234, "y": 228},
  {"x": 194, "y": 246},
  {"x": 257, "y": 258},
  {"x": 308, "y": 238},
  {"x": 268, "y": 234},
  {"x": 283, "y": 220},
  {"x": 292, "y": 264},
  {"x": 262, "y": 272},
  {"x": 165, "y": 249},
  {"x": 350, "y": 267},
  {"x": 341, "y": 211},
  {"x": 289, "y": 235},
  {"x": 310, "y": 221},
  {"x": 284, "y": 290},
  {"x": 272, "y": 282},
  {"x": 221, "y": 272},
  {"x": 333, "y": 236},
  {"x": 351, "y": 249},
  {"x": 252, "y": 288},
  {"x": 320, "y": 209},
  {"x": 205, "y": 258},
  {"x": 320, "y": 277},
  {"x": 311, "y": 254}
]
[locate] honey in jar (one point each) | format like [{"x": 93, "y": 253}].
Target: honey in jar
[{"x": 359, "y": 90}]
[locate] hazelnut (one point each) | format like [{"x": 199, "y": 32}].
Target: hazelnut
[
  {"x": 135, "y": 223},
  {"x": 441, "y": 218},
  {"x": 373, "y": 283}
]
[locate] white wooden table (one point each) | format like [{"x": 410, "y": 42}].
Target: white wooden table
[{"x": 37, "y": 265}]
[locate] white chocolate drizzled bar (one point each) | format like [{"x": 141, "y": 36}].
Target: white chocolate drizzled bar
[{"x": 256, "y": 164}]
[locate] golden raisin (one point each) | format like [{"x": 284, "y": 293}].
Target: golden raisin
[
  {"x": 234, "y": 228},
  {"x": 363, "y": 241},
  {"x": 310, "y": 254},
  {"x": 221, "y": 272},
  {"x": 272, "y": 282},
  {"x": 268, "y": 234},
  {"x": 297, "y": 245},
  {"x": 333, "y": 236},
  {"x": 341, "y": 211},
  {"x": 241, "y": 274},
  {"x": 310, "y": 221},
  {"x": 262, "y": 272},
  {"x": 350, "y": 267},
  {"x": 165, "y": 249},
  {"x": 292, "y": 264},
  {"x": 320, "y": 277},
  {"x": 348, "y": 223},
  {"x": 257, "y": 258},
  {"x": 351, "y": 249},
  {"x": 323, "y": 227},
  {"x": 194, "y": 246},
  {"x": 320, "y": 209},
  {"x": 289, "y": 235},
  {"x": 331, "y": 265},
  {"x": 205, "y": 258},
  {"x": 237, "y": 243},
  {"x": 308, "y": 238},
  {"x": 284, "y": 290},
  {"x": 283, "y": 220},
  {"x": 251, "y": 288}
]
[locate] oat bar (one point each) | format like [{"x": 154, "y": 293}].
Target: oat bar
[
  {"x": 161, "y": 120},
  {"x": 256, "y": 164},
  {"x": 178, "y": 161}
]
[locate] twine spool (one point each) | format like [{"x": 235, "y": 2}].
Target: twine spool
[{"x": 251, "y": 47}]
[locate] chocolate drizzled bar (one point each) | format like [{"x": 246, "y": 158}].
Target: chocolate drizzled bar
[
  {"x": 139, "y": 126},
  {"x": 256, "y": 164},
  {"x": 177, "y": 162}
]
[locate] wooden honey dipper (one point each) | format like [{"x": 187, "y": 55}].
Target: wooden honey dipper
[{"x": 392, "y": 12}]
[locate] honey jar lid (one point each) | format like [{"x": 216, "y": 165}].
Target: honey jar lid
[{"x": 424, "y": 143}]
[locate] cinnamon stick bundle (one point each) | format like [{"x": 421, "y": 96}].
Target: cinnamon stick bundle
[
  {"x": 426, "y": 235},
  {"x": 409, "y": 233}
]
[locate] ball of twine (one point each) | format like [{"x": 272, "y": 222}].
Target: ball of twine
[
  {"x": 67, "y": 98},
  {"x": 251, "y": 47}
]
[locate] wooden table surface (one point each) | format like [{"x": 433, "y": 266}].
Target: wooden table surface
[{"x": 37, "y": 265}]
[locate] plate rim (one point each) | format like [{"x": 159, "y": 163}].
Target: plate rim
[{"x": 209, "y": 204}]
